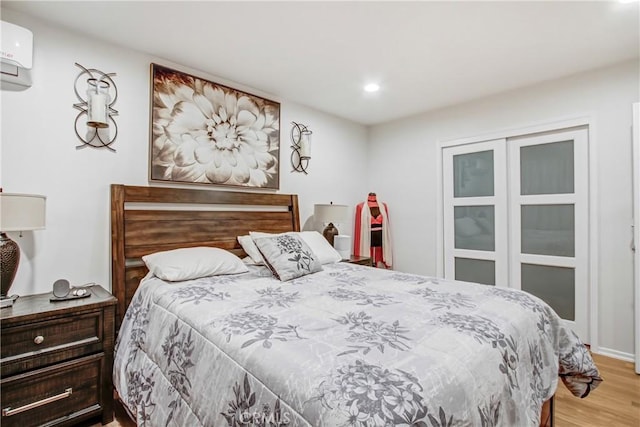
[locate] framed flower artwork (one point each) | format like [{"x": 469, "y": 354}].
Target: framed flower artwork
[{"x": 207, "y": 133}]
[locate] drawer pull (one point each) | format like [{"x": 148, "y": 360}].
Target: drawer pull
[
  {"x": 7, "y": 412},
  {"x": 39, "y": 339}
]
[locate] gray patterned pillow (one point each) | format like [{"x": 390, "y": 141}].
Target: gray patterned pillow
[{"x": 288, "y": 256}]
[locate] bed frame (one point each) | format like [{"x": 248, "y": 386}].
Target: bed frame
[{"x": 151, "y": 219}]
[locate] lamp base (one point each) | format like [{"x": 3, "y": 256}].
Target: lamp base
[
  {"x": 330, "y": 232},
  {"x": 9, "y": 259}
]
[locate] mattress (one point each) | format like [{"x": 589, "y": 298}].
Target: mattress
[{"x": 350, "y": 345}]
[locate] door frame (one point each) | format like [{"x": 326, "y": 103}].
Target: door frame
[
  {"x": 636, "y": 227},
  {"x": 538, "y": 127}
]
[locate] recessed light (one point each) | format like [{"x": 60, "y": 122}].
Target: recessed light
[{"x": 372, "y": 87}]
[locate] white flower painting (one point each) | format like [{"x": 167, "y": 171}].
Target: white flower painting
[{"x": 206, "y": 133}]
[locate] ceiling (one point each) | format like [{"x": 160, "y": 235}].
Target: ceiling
[{"x": 425, "y": 55}]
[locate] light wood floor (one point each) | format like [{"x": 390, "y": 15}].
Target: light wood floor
[{"x": 615, "y": 403}]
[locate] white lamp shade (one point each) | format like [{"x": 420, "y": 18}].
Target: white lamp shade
[
  {"x": 22, "y": 212},
  {"x": 330, "y": 213}
]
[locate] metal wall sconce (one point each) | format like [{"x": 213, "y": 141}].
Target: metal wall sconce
[
  {"x": 301, "y": 153},
  {"x": 101, "y": 94}
]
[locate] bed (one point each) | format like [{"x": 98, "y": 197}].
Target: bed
[{"x": 347, "y": 345}]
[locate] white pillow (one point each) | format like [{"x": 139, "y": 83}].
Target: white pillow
[
  {"x": 288, "y": 256},
  {"x": 321, "y": 247},
  {"x": 192, "y": 263},
  {"x": 250, "y": 249},
  {"x": 317, "y": 243},
  {"x": 257, "y": 234}
]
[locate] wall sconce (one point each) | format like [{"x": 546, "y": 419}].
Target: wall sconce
[
  {"x": 301, "y": 154},
  {"x": 101, "y": 94},
  {"x": 18, "y": 212},
  {"x": 328, "y": 214}
]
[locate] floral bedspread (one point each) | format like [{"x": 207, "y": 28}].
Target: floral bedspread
[{"x": 349, "y": 345}]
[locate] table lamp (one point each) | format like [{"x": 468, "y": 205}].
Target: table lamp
[
  {"x": 328, "y": 214},
  {"x": 18, "y": 212}
]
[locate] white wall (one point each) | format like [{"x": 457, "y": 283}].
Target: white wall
[
  {"x": 403, "y": 153},
  {"x": 38, "y": 154}
]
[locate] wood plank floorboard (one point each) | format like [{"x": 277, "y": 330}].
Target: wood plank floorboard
[{"x": 615, "y": 403}]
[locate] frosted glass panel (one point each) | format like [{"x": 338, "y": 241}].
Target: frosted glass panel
[
  {"x": 473, "y": 174},
  {"x": 546, "y": 168},
  {"x": 476, "y": 270},
  {"x": 554, "y": 285},
  {"x": 548, "y": 230},
  {"x": 474, "y": 228}
]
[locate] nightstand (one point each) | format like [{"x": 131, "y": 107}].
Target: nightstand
[
  {"x": 56, "y": 360},
  {"x": 362, "y": 260}
]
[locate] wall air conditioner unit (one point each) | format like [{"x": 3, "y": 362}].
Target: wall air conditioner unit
[{"x": 16, "y": 54}]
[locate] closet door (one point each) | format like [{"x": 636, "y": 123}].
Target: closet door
[
  {"x": 549, "y": 221},
  {"x": 475, "y": 236}
]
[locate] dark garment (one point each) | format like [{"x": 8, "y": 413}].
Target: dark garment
[{"x": 376, "y": 237}]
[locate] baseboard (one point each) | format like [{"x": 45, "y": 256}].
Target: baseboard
[{"x": 627, "y": 357}]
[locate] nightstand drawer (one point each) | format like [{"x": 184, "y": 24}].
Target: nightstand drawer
[
  {"x": 64, "y": 392},
  {"x": 39, "y": 344}
]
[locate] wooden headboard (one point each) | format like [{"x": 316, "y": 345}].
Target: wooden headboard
[{"x": 151, "y": 219}]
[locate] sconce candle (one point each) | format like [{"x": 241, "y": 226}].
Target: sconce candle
[
  {"x": 305, "y": 145},
  {"x": 98, "y": 110}
]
